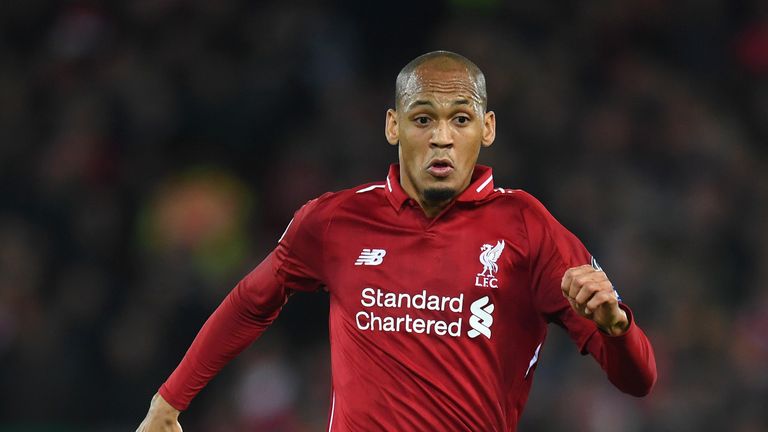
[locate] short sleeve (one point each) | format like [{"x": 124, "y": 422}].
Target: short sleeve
[
  {"x": 552, "y": 250},
  {"x": 298, "y": 263}
]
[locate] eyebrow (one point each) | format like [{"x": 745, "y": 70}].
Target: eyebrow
[{"x": 420, "y": 102}]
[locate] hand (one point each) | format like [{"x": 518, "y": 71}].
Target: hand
[
  {"x": 592, "y": 296},
  {"x": 162, "y": 417}
]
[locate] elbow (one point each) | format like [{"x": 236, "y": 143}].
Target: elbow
[
  {"x": 642, "y": 385},
  {"x": 638, "y": 380},
  {"x": 649, "y": 383}
]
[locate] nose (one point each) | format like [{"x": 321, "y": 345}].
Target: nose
[{"x": 441, "y": 135}]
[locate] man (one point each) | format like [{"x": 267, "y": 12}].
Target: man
[{"x": 441, "y": 285}]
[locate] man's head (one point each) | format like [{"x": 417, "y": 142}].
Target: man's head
[
  {"x": 447, "y": 60},
  {"x": 440, "y": 122}
]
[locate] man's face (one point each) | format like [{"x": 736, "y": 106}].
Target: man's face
[{"x": 440, "y": 124}]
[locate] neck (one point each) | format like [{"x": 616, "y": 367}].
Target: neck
[{"x": 431, "y": 208}]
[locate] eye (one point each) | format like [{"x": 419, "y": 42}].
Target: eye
[
  {"x": 462, "y": 120},
  {"x": 422, "y": 120}
]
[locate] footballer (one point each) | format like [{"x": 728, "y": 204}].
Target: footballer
[{"x": 441, "y": 283}]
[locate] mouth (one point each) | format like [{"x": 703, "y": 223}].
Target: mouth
[{"x": 440, "y": 168}]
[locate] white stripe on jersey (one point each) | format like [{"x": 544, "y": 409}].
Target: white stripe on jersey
[
  {"x": 333, "y": 408},
  {"x": 533, "y": 361},
  {"x": 286, "y": 230},
  {"x": 369, "y": 188},
  {"x": 485, "y": 183}
]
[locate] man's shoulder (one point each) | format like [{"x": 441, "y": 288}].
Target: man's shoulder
[
  {"x": 521, "y": 203},
  {"x": 515, "y": 198},
  {"x": 362, "y": 195}
]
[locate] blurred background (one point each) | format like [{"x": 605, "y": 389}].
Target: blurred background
[{"x": 152, "y": 152}]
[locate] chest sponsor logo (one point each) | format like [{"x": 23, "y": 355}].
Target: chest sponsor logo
[
  {"x": 489, "y": 254},
  {"x": 402, "y": 313},
  {"x": 371, "y": 257},
  {"x": 482, "y": 318}
]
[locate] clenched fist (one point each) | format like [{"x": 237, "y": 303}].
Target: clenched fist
[
  {"x": 162, "y": 417},
  {"x": 592, "y": 296}
]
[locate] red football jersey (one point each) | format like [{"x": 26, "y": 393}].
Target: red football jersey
[{"x": 435, "y": 324}]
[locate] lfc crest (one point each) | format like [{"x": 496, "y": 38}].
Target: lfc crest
[{"x": 488, "y": 256}]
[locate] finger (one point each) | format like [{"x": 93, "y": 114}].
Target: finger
[
  {"x": 601, "y": 299},
  {"x": 574, "y": 271},
  {"x": 579, "y": 281},
  {"x": 575, "y": 306},
  {"x": 574, "y": 279},
  {"x": 573, "y": 303},
  {"x": 590, "y": 289},
  {"x": 580, "y": 309},
  {"x": 571, "y": 274}
]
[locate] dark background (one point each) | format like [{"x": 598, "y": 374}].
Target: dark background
[{"x": 152, "y": 151}]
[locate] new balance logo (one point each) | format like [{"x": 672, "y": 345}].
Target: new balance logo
[
  {"x": 371, "y": 257},
  {"x": 481, "y": 319}
]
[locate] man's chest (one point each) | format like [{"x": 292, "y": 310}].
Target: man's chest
[{"x": 451, "y": 278}]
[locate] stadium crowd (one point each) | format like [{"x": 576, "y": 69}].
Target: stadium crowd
[{"x": 151, "y": 153}]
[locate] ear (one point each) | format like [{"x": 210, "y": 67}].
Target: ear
[
  {"x": 390, "y": 127},
  {"x": 489, "y": 128}
]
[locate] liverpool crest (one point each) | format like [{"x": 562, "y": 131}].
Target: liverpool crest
[{"x": 489, "y": 254}]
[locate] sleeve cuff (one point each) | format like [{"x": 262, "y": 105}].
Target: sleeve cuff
[{"x": 165, "y": 393}]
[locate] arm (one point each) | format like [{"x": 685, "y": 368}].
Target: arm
[
  {"x": 240, "y": 319},
  {"x": 581, "y": 299},
  {"x": 616, "y": 342},
  {"x": 246, "y": 312}
]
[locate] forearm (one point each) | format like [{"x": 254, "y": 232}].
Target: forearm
[
  {"x": 628, "y": 359},
  {"x": 240, "y": 319}
]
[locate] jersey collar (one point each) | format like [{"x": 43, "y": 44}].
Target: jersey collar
[{"x": 479, "y": 187}]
